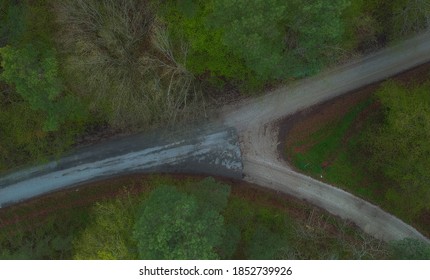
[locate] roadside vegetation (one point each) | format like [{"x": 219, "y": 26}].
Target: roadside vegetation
[
  {"x": 163, "y": 217},
  {"x": 378, "y": 149},
  {"x": 75, "y": 68}
]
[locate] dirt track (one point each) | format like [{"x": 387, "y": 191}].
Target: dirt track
[
  {"x": 255, "y": 121},
  {"x": 215, "y": 149}
]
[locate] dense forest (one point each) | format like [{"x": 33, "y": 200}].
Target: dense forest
[
  {"x": 374, "y": 144},
  {"x": 396, "y": 148},
  {"x": 71, "y": 68},
  {"x": 168, "y": 219}
]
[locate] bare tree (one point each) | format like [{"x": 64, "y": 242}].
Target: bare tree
[
  {"x": 411, "y": 16},
  {"x": 122, "y": 58}
]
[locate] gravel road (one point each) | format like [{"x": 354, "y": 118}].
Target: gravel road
[
  {"x": 255, "y": 121},
  {"x": 249, "y": 125},
  {"x": 305, "y": 93}
]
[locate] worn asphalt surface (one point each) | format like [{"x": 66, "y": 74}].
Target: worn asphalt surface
[
  {"x": 212, "y": 150},
  {"x": 242, "y": 141}
]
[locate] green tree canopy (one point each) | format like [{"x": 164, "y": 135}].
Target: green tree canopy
[
  {"x": 314, "y": 33},
  {"x": 259, "y": 40},
  {"x": 399, "y": 147},
  {"x": 188, "y": 20},
  {"x": 33, "y": 71},
  {"x": 109, "y": 236},
  {"x": 174, "y": 225},
  {"x": 169, "y": 225},
  {"x": 253, "y": 30},
  {"x": 278, "y": 38}
]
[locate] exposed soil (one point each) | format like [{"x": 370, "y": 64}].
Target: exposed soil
[
  {"x": 97, "y": 133},
  {"x": 255, "y": 121},
  {"x": 35, "y": 212},
  {"x": 358, "y": 123},
  {"x": 214, "y": 99},
  {"x": 262, "y": 166},
  {"x": 299, "y": 126},
  {"x": 423, "y": 220}
]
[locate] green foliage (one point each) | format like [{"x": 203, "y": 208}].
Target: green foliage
[
  {"x": 38, "y": 116},
  {"x": 362, "y": 30},
  {"x": 325, "y": 143},
  {"x": 137, "y": 69},
  {"x": 29, "y": 116},
  {"x": 22, "y": 136},
  {"x": 51, "y": 227},
  {"x": 69, "y": 229},
  {"x": 399, "y": 147},
  {"x": 314, "y": 32},
  {"x": 12, "y": 22},
  {"x": 211, "y": 195},
  {"x": 34, "y": 74},
  {"x": 269, "y": 232},
  {"x": 282, "y": 39},
  {"x": 265, "y": 245},
  {"x": 108, "y": 237},
  {"x": 251, "y": 219},
  {"x": 410, "y": 249},
  {"x": 173, "y": 225},
  {"x": 44, "y": 247},
  {"x": 188, "y": 20},
  {"x": 381, "y": 155},
  {"x": 257, "y": 41},
  {"x": 230, "y": 242},
  {"x": 253, "y": 30},
  {"x": 43, "y": 238},
  {"x": 26, "y": 22},
  {"x": 296, "y": 38}
]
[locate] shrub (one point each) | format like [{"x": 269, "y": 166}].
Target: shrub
[{"x": 410, "y": 249}]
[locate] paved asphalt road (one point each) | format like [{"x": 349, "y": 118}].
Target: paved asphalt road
[
  {"x": 213, "y": 150},
  {"x": 249, "y": 125}
]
